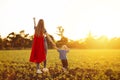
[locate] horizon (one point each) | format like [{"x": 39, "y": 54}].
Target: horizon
[{"x": 57, "y": 37}]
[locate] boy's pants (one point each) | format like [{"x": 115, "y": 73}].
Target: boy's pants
[{"x": 64, "y": 63}]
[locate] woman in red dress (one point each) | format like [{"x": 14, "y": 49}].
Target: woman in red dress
[{"x": 38, "y": 53}]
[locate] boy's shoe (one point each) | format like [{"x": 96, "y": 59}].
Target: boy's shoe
[
  {"x": 45, "y": 70},
  {"x": 64, "y": 69},
  {"x": 39, "y": 71}
]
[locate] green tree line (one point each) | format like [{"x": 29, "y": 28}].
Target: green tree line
[{"x": 24, "y": 41}]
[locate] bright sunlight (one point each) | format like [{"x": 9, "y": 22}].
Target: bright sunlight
[{"x": 77, "y": 17}]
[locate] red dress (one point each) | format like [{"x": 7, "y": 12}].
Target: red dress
[{"x": 38, "y": 52}]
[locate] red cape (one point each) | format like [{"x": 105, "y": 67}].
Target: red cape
[{"x": 38, "y": 50}]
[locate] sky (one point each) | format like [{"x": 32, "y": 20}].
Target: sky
[{"x": 77, "y": 17}]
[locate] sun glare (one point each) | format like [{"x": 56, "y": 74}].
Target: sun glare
[
  {"x": 104, "y": 31},
  {"x": 77, "y": 17}
]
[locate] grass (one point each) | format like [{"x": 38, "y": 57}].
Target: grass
[{"x": 83, "y": 65}]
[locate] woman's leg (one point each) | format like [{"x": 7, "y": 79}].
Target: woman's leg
[
  {"x": 38, "y": 68},
  {"x": 46, "y": 47},
  {"x": 37, "y": 65},
  {"x": 45, "y": 63}
]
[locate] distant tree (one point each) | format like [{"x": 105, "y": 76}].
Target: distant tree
[
  {"x": 6, "y": 44},
  {"x": 11, "y": 39},
  {"x": 1, "y": 43},
  {"x": 63, "y": 40},
  {"x": 18, "y": 41},
  {"x": 26, "y": 39},
  {"x": 90, "y": 41},
  {"x": 102, "y": 42},
  {"x": 60, "y": 31},
  {"x": 114, "y": 43}
]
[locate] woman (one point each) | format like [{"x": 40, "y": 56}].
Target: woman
[{"x": 39, "y": 46}]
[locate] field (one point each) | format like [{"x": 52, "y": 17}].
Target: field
[{"x": 83, "y": 65}]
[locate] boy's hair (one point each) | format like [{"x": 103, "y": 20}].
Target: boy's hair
[{"x": 65, "y": 47}]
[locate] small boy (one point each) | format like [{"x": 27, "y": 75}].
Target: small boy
[{"x": 62, "y": 55}]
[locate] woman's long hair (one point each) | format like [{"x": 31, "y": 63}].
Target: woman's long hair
[{"x": 40, "y": 29}]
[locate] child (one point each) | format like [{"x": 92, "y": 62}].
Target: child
[{"x": 62, "y": 55}]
